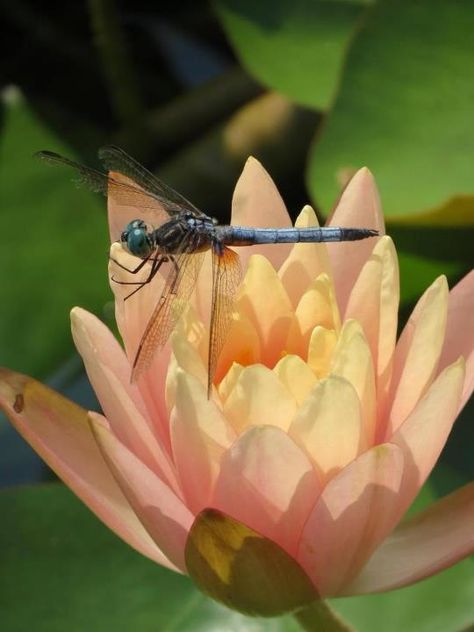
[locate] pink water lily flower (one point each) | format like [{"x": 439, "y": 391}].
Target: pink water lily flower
[{"x": 319, "y": 433}]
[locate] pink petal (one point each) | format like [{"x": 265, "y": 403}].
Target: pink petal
[
  {"x": 317, "y": 307},
  {"x": 185, "y": 358},
  {"x": 423, "y": 434},
  {"x": 417, "y": 354},
  {"x": 265, "y": 303},
  {"x": 373, "y": 302},
  {"x": 431, "y": 541},
  {"x": 352, "y": 360},
  {"x": 242, "y": 346},
  {"x": 108, "y": 372},
  {"x": 305, "y": 261},
  {"x": 328, "y": 426},
  {"x": 358, "y": 207},
  {"x": 59, "y": 431},
  {"x": 320, "y": 350},
  {"x": 267, "y": 483},
  {"x": 200, "y": 434},
  {"x": 132, "y": 317},
  {"x": 162, "y": 513},
  {"x": 352, "y": 516},
  {"x": 295, "y": 374},
  {"x": 459, "y": 339},
  {"x": 256, "y": 202},
  {"x": 259, "y": 397}
]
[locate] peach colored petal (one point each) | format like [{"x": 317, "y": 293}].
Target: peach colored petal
[
  {"x": 427, "y": 543},
  {"x": 296, "y": 375},
  {"x": 132, "y": 316},
  {"x": 230, "y": 380},
  {"x": 267, "y": 483},
  {"x": 418, "y": 351},
  {"x": 317, "y": 306},
  {"x": 257, "y": 398},
  {"x": 199, "y": 436},
  {"x": 423, "y": 434},
  {"x": 256, "y": 202},
  {"x": 162, "y": 513},
  {"x": 320, "y": 349},
  {"x": 305, "y": 261},
  {"x": 121, "y": 402},
  {"x": 352, "y": 516},
  {"x": 328, "y": 426},
  {"x": 184, "y": 358},
  {"x": 242, "y": 346},
  {"x": 359, "y": 207},
  {"x": 374, "y": 303},
  {"x": 459, "y": 338},
  {"x": 59, "y": 432},
  {"x": 352, "y": 360},
  {"x": 201, "y": 298},
  {"x": 266, "y": 304}
]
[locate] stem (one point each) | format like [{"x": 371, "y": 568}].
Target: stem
[
  {"x": 320, "y": 617},
  {"x": 116, "y": 61}
]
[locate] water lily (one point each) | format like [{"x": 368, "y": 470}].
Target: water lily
[{"x": 290, "y": 483}]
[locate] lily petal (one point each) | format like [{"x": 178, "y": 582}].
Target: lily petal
[
  {"x": 108, "y": 372},
  {"x": 265, "y": 303},
  {"x": 162, "y": 513},
  {"x": 418, "y": 351},
  {"x": 200, "y": 434},
  {"x": 329, "y": 426},
  {"x": 352, "y": 516},
  {"x": 59, "y": 432},
  {"x": 305, "y": 261},
  {"x": 269, "y": 483},
  {"x": 423, "y": 434},
  {"x": 320, "y": 350},
  {"x": 373, "y": 302},
  {"x": 358, "y": 207},
  {"x": 459, "y": 339},
  {"x": 427, "y": 543},
  {"x": 296, "y": 375},
  {"x": 256, "y": 202},
  {"x": 352, "y": 360},
  {"x": 257, "y": 398}
]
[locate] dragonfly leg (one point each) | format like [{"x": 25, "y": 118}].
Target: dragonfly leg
[
  {"x": 155, "y": 266},
  {"x": 131, "y": 270}
]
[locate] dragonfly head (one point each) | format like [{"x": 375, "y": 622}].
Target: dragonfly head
[{"x": 137, "y": 239}]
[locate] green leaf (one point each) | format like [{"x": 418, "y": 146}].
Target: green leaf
[
  {"x": 443, "y": 603},
  {"x": 296, "y": 47},
  {"x": 61, "y": 569},
  {"x": 404, "y": 109},
  {"x": 53, "y": 245}
]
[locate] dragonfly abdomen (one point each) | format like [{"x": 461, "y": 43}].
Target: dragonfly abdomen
[{"x": 244, "y": 236}]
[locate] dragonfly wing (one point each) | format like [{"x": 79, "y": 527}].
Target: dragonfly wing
[
  {"x": 179, "y": 284},
  {"x": 129, "y": 199},
  {"x": 226, "y": 278},
  {"x": 116, "y": 159}
]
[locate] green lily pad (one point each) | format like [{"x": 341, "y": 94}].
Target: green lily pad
[
  {"x": 296, "y": 47},
  {"x": 404, "y": 109},
  {"x": 53, "y": 246},
  {"x": 62, "y": 569}
]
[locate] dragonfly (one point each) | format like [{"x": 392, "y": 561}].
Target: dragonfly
[{"x": 172, "y": 236}]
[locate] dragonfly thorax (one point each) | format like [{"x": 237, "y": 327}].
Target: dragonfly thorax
[
  {"x": 185, "y": 232},
  {"x": 138, "y": 239}
]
